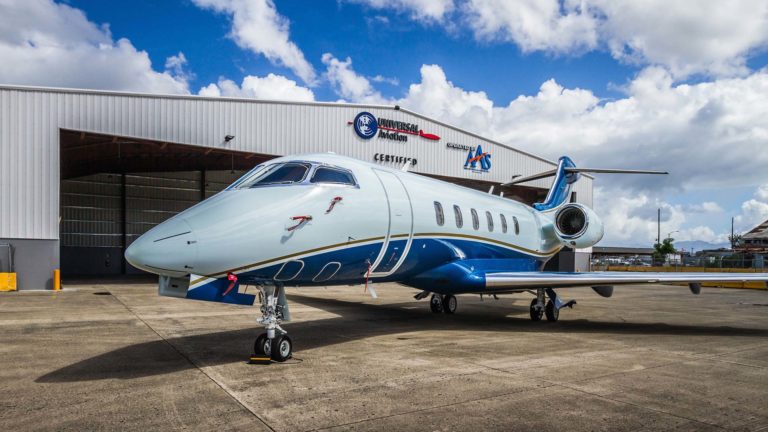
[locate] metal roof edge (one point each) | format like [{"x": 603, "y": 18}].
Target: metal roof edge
[{"x": 187, "y": 96}]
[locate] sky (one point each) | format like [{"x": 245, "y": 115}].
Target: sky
[{"x": 648, "y": 84}]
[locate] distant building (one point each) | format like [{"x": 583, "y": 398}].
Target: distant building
[{"x": 756, "y": 240}]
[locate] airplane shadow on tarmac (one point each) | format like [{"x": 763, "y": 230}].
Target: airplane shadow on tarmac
[{"x": 356, "y": 321}]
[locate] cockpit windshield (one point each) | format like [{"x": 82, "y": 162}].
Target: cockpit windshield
[
  {"x": 309, "y": 173},
  {"x": 284, "y": 173}
]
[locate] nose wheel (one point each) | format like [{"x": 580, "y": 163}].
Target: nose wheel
[
  {"x": 275, "y": 343},
  {"x": 278, "y": 349}
]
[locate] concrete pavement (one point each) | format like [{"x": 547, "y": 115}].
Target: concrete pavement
[{"x": 105, "y": 357}]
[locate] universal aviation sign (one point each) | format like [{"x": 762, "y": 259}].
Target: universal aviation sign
[{"x": 367, "y": 126}]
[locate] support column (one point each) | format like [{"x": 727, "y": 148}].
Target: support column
[{"x": 124, "y": 222}]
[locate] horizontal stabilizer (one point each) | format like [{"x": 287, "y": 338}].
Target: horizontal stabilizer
[{"x": 552, "y": 173}]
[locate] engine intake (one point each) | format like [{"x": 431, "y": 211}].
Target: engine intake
[{"x": 578, "y": 226}]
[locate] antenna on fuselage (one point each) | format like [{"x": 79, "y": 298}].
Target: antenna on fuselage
[
  {"x": 406, "y": 166},
  {"x": 490, "y": 191}
]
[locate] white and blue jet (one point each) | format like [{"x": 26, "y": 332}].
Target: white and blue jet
[{"x": 324, "y": 219}]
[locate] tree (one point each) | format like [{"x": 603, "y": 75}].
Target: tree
[
  {"x": 661, "y": 250},
  {"x": 736, "y": 240}
]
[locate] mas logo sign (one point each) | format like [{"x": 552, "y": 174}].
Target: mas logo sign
[
  {"x": 368, "y": 126},
  {"x": 479, "y": 156}
]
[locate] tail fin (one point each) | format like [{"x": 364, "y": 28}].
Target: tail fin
[{"x": 566, "y": 174}]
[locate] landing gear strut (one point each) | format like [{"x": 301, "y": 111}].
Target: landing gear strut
[
  {"x": 275, "y": 343},
  {"x": 446, "y": 303},
  {"x": 552, "y": 308}
]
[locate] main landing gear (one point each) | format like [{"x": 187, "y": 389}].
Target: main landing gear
[
  {"x": 447, "y": 303},
  {"x": 552, "y": 308},
  {"x": 275, "y": 343}
]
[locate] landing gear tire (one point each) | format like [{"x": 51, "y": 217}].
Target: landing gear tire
[
  {"x": 436, "y": 304},
  {"x": 282, "y": 348},
  {"x": 263, "y": 346},
  {"x": 536, "y": 313},
  {"x": 449, "y": 304},
  {"x": 552, "y": 312}
]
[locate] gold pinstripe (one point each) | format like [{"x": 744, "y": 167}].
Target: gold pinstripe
[{"x": 319, "y": 249}]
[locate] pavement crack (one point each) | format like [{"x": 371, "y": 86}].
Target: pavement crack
[
  {"x": 523, "y": 390},
  {"x": 640, "y": 406}
]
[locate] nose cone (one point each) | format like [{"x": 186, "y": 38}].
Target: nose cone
[{"x": 169, "y": 249}]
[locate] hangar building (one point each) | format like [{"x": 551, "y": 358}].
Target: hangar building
[{"x": 84, "y": 173}]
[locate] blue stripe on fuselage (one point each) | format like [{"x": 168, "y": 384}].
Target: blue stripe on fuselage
[{"x": 435, "y": 264}]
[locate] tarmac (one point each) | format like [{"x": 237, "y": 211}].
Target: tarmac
[{"x": 117, "y": 356}]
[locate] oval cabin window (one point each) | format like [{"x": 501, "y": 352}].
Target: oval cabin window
[
  {"x": 439, "y": 214},
  {"x": 459, "y": 218},
  {"x": 489, "y": 216}
]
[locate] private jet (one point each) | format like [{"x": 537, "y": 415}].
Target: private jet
[{"x": 325, "y": 219}]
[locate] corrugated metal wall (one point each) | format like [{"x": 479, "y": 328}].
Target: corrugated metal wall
[
  {"x": 92, "y": 206},
  {"x": 92, "y": 215},
  {"x": 30, "y": 120}
]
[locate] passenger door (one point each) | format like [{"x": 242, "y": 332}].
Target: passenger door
[{"x": 399, "y": 234}]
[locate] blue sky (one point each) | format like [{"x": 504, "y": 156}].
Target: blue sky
[
  {"x": 644, "y": 84},
  {"x": 394, "y": 49}
]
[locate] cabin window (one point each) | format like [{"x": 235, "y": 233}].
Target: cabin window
[
  {"x": 503, "y": 223},
  {"x": 458, "y": 216},
  {"x": 489, "y": 216},
  {"x": 439, "y": 213},
  {"x": 517, "y": 225},
  {"x": 332, "y": 175},
  {"x": 475, "y": 219},
  {"x": 286, "y": 173}
]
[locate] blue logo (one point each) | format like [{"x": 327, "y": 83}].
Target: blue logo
[
  {"x": 365, "y": 125},
  {"x": 479, "y": 156}
]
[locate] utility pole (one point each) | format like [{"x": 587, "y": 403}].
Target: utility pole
[
  {"x": 658, "y": 225},
  {"x": 733, "y": 244}
]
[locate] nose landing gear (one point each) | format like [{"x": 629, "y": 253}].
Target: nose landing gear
[{"x": 275, "y": 343}]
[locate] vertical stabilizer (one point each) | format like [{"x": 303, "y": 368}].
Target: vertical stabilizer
[{"x": 560, "y": 191}]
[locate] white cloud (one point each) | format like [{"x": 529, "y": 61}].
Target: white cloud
[
  {"x": 433, "y": 10},
  {"x": 705, "y": 207},
  {"x": 382, "y": 79},
  {"x": 762, "y": 192},
  {"x": 753, "y": 211},
  {"x": 270, "y": 87},
  {"x": 257, "y": 26},
  {"x": 709, "y": 37},
  {"x": 631, "y": 219},
  {"x": 347, "y": 83},
  {"x": 698, "y": 132},
  {"x": 439, "y": 98},
  {"x": 45, "y": 43},
  {"x": 534, "y": 25}
]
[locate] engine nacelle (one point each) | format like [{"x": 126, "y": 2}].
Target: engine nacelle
[{"x": 578, "y": 226}]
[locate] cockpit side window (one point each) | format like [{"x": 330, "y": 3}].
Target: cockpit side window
[
  {"x": 332, "y": 175},
  {"x": 248, "y": 178}
]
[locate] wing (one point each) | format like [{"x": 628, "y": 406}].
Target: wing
[{"x": 522, "y": 280}]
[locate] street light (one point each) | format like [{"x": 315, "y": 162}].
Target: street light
[{"x": 669, "y": 234}]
